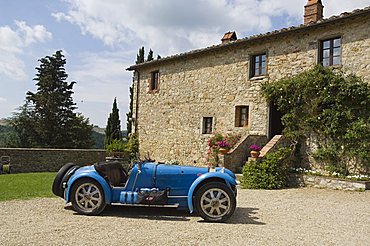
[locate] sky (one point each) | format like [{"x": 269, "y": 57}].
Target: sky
[{"x": 100, "y": 39}]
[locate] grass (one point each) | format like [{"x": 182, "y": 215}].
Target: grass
[{"x": 26, "y": 186}]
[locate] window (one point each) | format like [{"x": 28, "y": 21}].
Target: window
[
  {"x": 207, "y": 125},
  {"x": 154, "y": 81},
  {"x": 241, "y": 116},
  {"x": 258, "y": 65},
  {"x": 330, "y": 52}
]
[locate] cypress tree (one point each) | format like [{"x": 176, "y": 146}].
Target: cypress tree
[
  {"x": 113, "y": 129},
  {"x": 140, "y": 56},
  {"x": 129, "y": 113},
  {"x": 150, "y": 55}
]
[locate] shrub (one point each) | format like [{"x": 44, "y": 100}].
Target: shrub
[
  {"x": 133, "y": 147},
  {"x": 270, "y": 173},
  {"x": 116, "y": 148}
]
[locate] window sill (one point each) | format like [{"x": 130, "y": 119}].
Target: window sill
[
  {"x": 334, "y": 66},
  {"x": 153, "y": 91},
  {"x": 258, "y": 77}
]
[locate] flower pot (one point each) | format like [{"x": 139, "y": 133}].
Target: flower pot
[
  {"x": 255, "y": 154},
  {"x": 223, "y": 151}
]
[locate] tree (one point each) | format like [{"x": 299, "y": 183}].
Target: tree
[
  {"x": 140, "y": 56},
  {"x": 113, "y": 129},
  {"x": 150, "y": 55},
  {"x": 23, "y": 125},
  {"x": 48, "y": 119},
  {"x": 8, "y": 137},
  {"x": 129, "y": 113}
]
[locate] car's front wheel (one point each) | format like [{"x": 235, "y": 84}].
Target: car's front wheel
[
  {"x": 87, "y": 197},
  {"x": 215, "y": 202}
]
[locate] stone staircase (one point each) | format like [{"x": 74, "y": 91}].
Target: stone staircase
[
  {"x": 236, "y": 157},
  {"x": 275, "y": 142}
]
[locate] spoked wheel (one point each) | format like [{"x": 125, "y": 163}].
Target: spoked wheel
[
  {"x": 87, "y": 197},
  {"x": 215, "y": 201}
]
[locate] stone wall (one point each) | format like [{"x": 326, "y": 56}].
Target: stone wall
[
  {"x": 49, "y": 160},
  {"x": 213, "y": 83},
  {"x": 299, "y": 180}
]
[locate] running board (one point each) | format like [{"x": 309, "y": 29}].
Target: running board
[{"x": 176, "y": 205}]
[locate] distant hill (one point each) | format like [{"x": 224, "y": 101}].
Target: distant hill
[
  {"x": 99, "y": 129},
  {"x": 4, "y": 122}
]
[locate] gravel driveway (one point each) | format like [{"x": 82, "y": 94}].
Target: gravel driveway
[{"x": 304, "y": 216}]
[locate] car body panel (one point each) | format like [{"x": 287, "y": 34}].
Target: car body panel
[
  {"x": 88, "y": 172},
  {"x": 211, "y": 175},
  {"x": 177, "y": 178},
  {"x": 181, "y": 181}
]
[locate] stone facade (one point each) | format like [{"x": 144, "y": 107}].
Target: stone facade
[
  {"x": 49, "y": 160},
  {"x": 213, "y": 81}
]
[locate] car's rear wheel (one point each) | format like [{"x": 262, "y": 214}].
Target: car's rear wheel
[
  {"x": 57, "y": 187},
  {"x": 87, "y": 197},
  {"x": 215, "y": 202}
]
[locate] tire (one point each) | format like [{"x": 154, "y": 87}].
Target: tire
[
  {"x": 215, "y": 202},
  {"x": 57, "y": 186},
  {"x": 87, "y": 197}
]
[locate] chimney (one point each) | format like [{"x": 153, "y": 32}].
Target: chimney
[
  {"x": 228, "y": 37},
  {"x": 313, "y": 11}
]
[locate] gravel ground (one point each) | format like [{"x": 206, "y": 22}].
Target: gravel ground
[{"x": 304, "y": 216}]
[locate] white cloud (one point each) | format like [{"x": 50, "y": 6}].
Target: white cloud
[
  {"x": 2, "y": 99},
  {"x": 173, "y": 26},
  {"x": 169, "y": 26},
  {"x": 33, "y": 34},
  {"x": 100, "y": 78},
  {"x": 335, "y": 7},
  {"x": 14, "y": 42},
  {"x": 10, "y": 47}
]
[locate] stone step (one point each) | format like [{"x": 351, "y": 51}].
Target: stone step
[
  {"x": 239, "y": 176},
  {"x": 271, "y": 144}
]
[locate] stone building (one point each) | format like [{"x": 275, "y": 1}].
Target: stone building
[{"x": 180, "y": 100}]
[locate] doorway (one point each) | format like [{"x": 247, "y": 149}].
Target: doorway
[{"x": 275, "y": 125}]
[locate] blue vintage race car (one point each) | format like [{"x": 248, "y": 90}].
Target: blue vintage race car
[{"x": 210, "y": 192}]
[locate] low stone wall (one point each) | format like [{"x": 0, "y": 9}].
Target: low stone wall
[
  {"x": 49, "y": 160},
  {"x": 328, "y": 182}
]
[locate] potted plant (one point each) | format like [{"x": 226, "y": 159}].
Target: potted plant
[
  {"x": 224, "y": 146},
  {"x": 220, "y": 144},
  {"x": 255, "y": 150}
]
